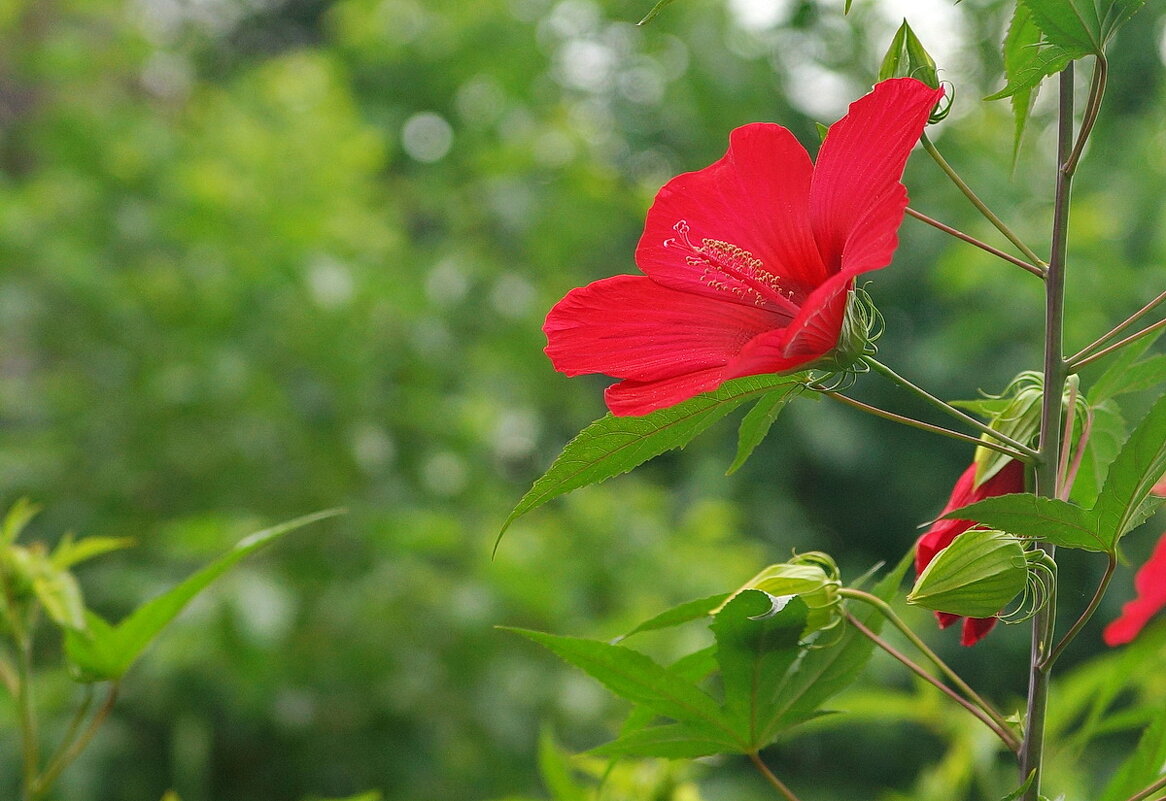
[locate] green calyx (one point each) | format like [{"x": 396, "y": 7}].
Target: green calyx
[
  {"x": 812, "y": 576},
  {"x": 977, "y": 575},
  {"x": 862, "y": 325}
]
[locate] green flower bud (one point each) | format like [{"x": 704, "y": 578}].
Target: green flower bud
[
  {"x": 861, "y": 326},
  {"x": 979, "y": 574},
  {"x": 813, "y": 577}
]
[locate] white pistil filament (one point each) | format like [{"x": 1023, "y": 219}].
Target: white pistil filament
[{"x": 729, "y": 268}]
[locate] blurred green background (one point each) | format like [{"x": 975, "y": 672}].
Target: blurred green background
[{"x": 264, "y": 257}]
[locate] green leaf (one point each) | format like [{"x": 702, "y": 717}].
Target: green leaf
[
  {"x": 105, "y": 652},
  {"x": 1113, "y": 381},
  {"x": 60, "y": 595},
  {"x": 694, "y": 667},
  {"x": 827, "y": 669},
  {"x": 636, "y": 677},
  {"x": 1107, "y": 432},
  {"x": 1027, "y": 515},
  {"x": 1048, "y": 60},
  {"x": 1021, "y": 48},
  {"x": 670, "y": 741},
  {"x": 656, "y": 9},
  {"x": 757, "y": 643},
  {"x": 614, "y": 445},
  {"x": 683, "y": 613},
  {"x": 22, "y": 511},
  {"x": 1144, "y": 765},
  {"x": 1139, "y": 465},
  {"x": 555, "y": 769},
  {"x": 1117, "y": 13},
  {"x": 1070, "y": 24},
  {"x": 1140, "y": 376},
  {"x": 1022, "y": 789},
  {"x": 69, "y": 553},
  {"x": 757, "y": 422}
]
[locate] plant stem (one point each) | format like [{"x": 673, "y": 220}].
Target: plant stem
[
  {"x": 1004, "y": 734},
  {"x": 1149, "y": 791},
  {"x": 913, "y": 423},
  {"x": 771, "y": 778},
  {"x": 26, "y": 708},
  {"x": 1117, "y": 329},
  {"x": 947, "y": 408},
  {"x": 1075, "y": 366},
  {"x": 1047, "y": 470},
  {"x": 46, "y": 781},
  {"x": 68, "y": 738},
  {"x": 929, "y": 146},
  {"x": 889, "y": 613},
  {"x": 971, "y": 240},
  {"x": 1075, "y": 629}
]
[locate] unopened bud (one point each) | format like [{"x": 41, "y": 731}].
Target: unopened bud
[
  {"x": 861, "y": 326},
  {"x": 977, "y": 575},
  {"x": 813, "y": 577}
]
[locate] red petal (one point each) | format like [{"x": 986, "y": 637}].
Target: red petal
[
  {"x": 754, "y": 198},
  {"x": 807, "y": 338},
  {"x": 856, "y": 200},
  {"x": 975, "y": 628},
  {"x": 1150, "y": 583},
  {"x": 631, "y": 327},
  {"x": 640, "y": 397}
]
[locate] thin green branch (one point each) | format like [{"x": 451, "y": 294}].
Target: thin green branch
[
  {"x": 26, "y": 707},
  {"x": 1038, "y": 271},
  {"x": 922, "y": 426},
  {"x": 929, "y": 146},
  {"x": 46, "y": 781},
  {"x": 1004, "y": 734},
  {"x": 1075, "y": 629},
  {"x": 947, "y": 408},
  {"x": 68, "y": 739},
  {"x": 1117, "y": 329},
  {"x": 1149, "y": 791},
  {"x": 775, "y": 782},
  {"x": 885, "y": 609},
  {"x": 1077, "y": 366}
]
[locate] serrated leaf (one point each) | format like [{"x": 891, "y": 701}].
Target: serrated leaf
[
  {"x": 827, "y": 669},
  {"x": 1021, "y": 47},
  {"x": 670, "y": 741},
  {"x": 694, "y": 667},
  {"x": 105, "y": 652},
  {"x": 682, "y": 613},
  {"x": 757, "y": 422},
  {"x": 1143, "y": 766},
  {"x": 1027, "y": 515},
  {"x": 1138, "y": 377},
  {"x": 636, "y": 677},
  {"x": 656, "y": 9},
  {"x": 1048, "y": 60},
  {"x": 1110, "y": 383},
  {"x": 614, "y": 445},
  {"x": 757, "y": 643},
  {"x": 1070, "y": 24},
  {"x": 1138, "y": 466},
  {"x": 1107, "y": 432}
]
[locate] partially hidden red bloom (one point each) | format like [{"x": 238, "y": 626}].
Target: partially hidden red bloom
[
  {"x": 1008, "y": 480},
  {"x": 1150, "y": 585},
  {"x": 748, "y": 263}
]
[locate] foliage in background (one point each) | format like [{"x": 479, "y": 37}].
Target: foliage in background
[{"x": 261, "y": 259}]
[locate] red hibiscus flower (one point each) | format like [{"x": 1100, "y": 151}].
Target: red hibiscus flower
[
  {"x": 1150, "y": 585},
  {"x": 1010, "y": 479},
  {"x": 749, "y": 262}
]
